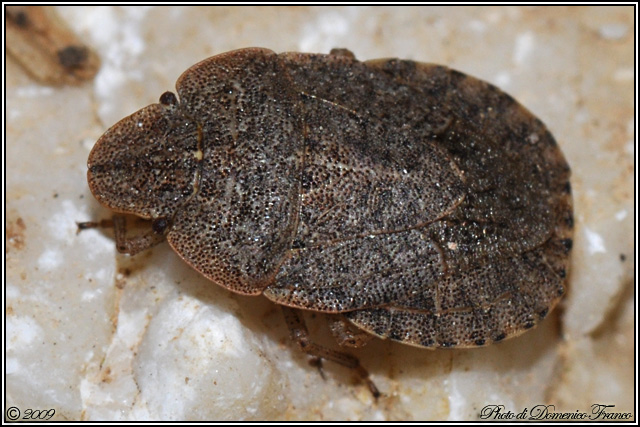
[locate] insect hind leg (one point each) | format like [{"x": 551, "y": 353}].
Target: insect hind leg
[
  {"x": 346, "y": 333},
  {"x": 300, "y": 335}
]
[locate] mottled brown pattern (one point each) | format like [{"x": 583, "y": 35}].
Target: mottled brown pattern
[{"x": 427, "y": 206}]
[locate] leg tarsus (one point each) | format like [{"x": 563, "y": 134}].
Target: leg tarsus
[
  {"x": 317, "y": 362},
  {"x": 105, "y": 223}
]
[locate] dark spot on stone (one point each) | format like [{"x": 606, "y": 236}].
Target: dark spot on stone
[
  {"x": 73, "y": 56},
  {"x": 623, "y": 257},
  {"x": 20, "y": 18},
  {"x": 543, "y": 313}
]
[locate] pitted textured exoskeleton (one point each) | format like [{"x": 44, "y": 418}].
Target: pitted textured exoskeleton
[{"x": 409, "y": 200}]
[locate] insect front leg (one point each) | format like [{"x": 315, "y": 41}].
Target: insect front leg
[
  {"x": 300, "y": 335},
  {"x": 130, "y": 245}
]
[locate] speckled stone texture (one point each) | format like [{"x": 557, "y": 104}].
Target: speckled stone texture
[{"x": 97, "y": 335}]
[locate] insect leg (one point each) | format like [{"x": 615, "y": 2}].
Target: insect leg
[
  {"x": 133, "y": 245},
  {"x": 105, "y": 223},
  {"x": 124, "y": 244},
  {"x": 346, "y": 334},
  {"x": 300, "y": 335}
]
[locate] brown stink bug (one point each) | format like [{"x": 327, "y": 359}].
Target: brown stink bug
[{"x": 413, "y": 201}]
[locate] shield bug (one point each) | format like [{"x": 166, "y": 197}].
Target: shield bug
[{"x": 412, "y": 201}]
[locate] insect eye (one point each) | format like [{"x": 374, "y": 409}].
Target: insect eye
[
  {"x": 159, "y": 225},
  {"x": 168, "y": 98}
]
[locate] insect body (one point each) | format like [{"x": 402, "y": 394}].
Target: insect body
[{"x": 421, "y": 204}]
